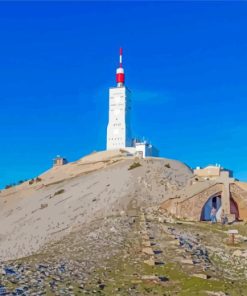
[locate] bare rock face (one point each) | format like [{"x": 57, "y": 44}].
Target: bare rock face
[{"x": 71, "y": 196}]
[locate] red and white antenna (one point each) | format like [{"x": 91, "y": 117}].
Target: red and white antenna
[{"x": 120, "y": 70}]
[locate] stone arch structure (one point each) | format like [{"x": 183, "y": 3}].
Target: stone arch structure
[
  {"x": 206, "y": 209},
  {"x": 191, "y": 207},
  {"x": 239, "y": 195},
  {"x": 234, "y": 208},
  {"x": 213, "y": 201}
]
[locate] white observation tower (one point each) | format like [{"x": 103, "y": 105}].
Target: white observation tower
[{"x": 118, "y": 129}]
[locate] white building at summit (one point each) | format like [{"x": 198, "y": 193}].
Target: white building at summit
[
  {"x": 119, "y": 124},
  {"x": 118, "y": 130}
]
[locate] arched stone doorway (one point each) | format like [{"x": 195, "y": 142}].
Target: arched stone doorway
[
  {"x": 215, "y": 201},
  {"x": 193, "y": 207},
  {"x": 234, "y": 208}
]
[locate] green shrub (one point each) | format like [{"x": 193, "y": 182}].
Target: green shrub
[
  {"x": 31, "y": 182},
  {"x": 43, "y": 206},
  {"x": 134, "y": 165},
  {"x": 59, "y": 192},
  {"x": 8, "y": 186}
]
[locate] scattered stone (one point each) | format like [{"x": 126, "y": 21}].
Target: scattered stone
[
  {"x": 157, "y": 252},
  {"x": 187, "y": 261},
  {"x": 163, "y": 278},
  {"x": 148, "y": 251},
  {"x": 159, "y": 263},
  {"x": 146, "y": 244},
  {"x": 237, "y": 253},
  {"x": 102, "y": 286},
  {"x": 201, "y": 276},
  {"x": 150, "y": 261},
  {"x": 150, "y": 278}
]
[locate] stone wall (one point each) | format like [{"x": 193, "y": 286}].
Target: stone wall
[
  {"x": 191, "y": 207},
  {"x": 239, "y": 195}
]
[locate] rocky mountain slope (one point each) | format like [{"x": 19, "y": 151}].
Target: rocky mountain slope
[
  {"x": 64, "y": 198},
  {"x": 94, "y": 227}
]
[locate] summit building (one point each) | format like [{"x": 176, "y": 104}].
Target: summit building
[
  {"x": 119, "y": 134},
  {"x": 118, "y": 130}
]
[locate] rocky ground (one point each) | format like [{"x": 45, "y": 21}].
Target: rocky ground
[
  {"x": 71, "y": 196},
  {"x": 93, "y": 227},
  {"x": 136, "y": 253}
]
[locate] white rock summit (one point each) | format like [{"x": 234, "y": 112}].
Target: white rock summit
[{"x": 67, "y": 197}]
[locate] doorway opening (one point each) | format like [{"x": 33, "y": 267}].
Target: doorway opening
[{"x": 215, "y": 201}]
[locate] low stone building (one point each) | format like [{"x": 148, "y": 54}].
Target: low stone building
[
  {"x": 59, "y": 160},
  {"x": 212, "y": 187},
  {"x": 212, "y": 172}
]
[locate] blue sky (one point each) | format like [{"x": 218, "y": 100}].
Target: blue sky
[{"x": 185, "y": 64}]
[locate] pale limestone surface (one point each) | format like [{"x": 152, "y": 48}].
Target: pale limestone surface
[
  {"x": 243, "y": 185},
  {"x": 96, "y": 186}
]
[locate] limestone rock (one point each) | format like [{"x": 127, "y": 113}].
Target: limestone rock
[
  {"x": 187, "y": 261},
  {"x": 150, "y": 278},
  {"x": 146, "y": 244},
  {"x": 237, "y": 253},
  {"x": 201, "y": 275},
  {"x": 150, "y": 261},
  {"x": 148, "y": 251}
]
